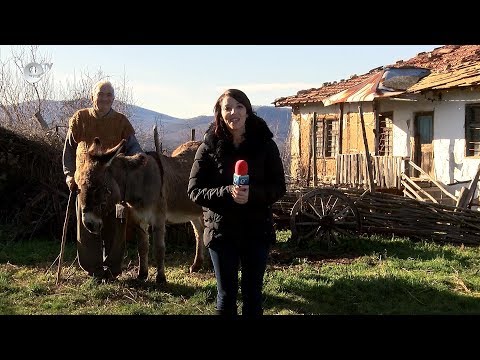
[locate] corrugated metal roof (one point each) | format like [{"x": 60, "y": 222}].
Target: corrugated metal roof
[
  {"x": 440, "y": 60},
  {"x": 464, "y": 75},
  {"x": 365, "y": 91},
  {"x": 361, "y": 92},
  {"x": 317, "y": 95}
]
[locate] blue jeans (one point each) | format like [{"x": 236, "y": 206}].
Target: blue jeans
[{"x": 227, "y": 257}]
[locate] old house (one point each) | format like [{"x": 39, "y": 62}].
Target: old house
[{"x": 420, "y": 117}]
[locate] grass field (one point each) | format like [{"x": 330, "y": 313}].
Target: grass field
[{"x": 364, "y": 275}]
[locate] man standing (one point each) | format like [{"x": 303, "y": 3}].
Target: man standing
[{"x": 100, "y": 255}]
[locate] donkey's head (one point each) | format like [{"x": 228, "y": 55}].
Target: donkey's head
[{"x": 97, "y": 186}]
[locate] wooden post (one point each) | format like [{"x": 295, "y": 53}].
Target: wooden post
[
  {"x": 158, "y": 145},
  {"x": 340, "y": 131},
  {"x": 371, "y": 184},
  {"x": 466, "y": 195},
  {"x": 314, "y": 146},
  {"x": 38, "y": 116},
  {"x": 473, "y": 187},
  {"x": 192, "y": 136},
  {"x": 377, "y": 128},
  {"x": 309, "y": 170}
]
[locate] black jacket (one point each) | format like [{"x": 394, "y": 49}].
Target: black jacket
[{"x": 212, "y": 173}]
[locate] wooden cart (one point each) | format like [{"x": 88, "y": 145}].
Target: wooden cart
[{"x": 323, "y": 214}]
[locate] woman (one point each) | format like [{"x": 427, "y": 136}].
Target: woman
[{"x": 238, "y": 218}]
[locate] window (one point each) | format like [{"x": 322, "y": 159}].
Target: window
[
  {"x": 327, "y": 136},
  {"x": 472, "y": 130},
  {"x": 385, "y": 134}
]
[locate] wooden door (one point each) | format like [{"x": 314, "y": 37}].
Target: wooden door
[{"x": 423, "y": 142}]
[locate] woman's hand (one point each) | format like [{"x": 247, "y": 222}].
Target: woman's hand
[{"x": 240, "y": 193}]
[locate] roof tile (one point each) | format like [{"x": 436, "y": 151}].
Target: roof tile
[{"x": 439, "y": 60}]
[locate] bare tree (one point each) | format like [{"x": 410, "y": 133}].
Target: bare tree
[
  {"x": 41, "y": 89},
  {"x": 27, "y": 107},
  {"x": 5, "y": 77},
  {"x": 21, "y": 100}
]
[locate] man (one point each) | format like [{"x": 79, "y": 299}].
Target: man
[{"x": 100, "y": 255}]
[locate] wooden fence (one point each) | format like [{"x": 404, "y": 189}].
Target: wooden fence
[{"x": 352, "y": 171}]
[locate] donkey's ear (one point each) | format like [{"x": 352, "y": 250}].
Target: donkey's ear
[
  {"x": 95, "y": 147},
  {"x": 115, "y": 151}
]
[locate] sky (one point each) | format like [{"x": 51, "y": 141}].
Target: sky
[{"x": 185, "y": 81}]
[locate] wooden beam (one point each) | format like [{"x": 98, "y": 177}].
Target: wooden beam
[
  {"x": 371, "y": 184},
  {"x": 466, "y": 197},
  {"x": 411, "y": 182},
  {"x": 415, "y": 166},
  {"x": 158, "y": 145},
  {"x": 314, "y": 145},
  {"x": 38, "y": 116},
  {"x": 405, "y": 184}
]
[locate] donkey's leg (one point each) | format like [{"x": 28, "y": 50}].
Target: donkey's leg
[
  {"x": 141, "y": 232},
  {"x": 198, "y": 228},
  {"x": 158, "y": 234}
]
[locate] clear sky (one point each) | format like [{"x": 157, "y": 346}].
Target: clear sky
[{"x": 184, "y": 81}]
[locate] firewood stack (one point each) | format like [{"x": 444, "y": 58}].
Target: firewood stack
[{"x": 392, "y": 214}]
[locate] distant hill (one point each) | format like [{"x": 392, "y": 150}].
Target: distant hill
[{"x": 174, "y": 131}]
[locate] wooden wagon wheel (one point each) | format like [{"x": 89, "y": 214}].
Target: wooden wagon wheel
[{"x": 324, "y": 215}]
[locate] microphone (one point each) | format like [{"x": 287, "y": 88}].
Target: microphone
[{"x": 240, "y": 177}]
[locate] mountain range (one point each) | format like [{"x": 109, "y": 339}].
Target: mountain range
[
  {"x": 175, "y": 131},
  {"x": 172, "y": 131}
]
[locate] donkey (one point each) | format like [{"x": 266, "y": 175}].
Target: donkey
[{"x": 141, "y": 183}]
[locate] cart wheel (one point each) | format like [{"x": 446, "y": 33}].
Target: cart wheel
[{"x": 324, "y": 215}]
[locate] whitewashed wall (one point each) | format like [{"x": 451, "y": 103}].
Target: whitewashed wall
[{"x": 451, "y": 165}]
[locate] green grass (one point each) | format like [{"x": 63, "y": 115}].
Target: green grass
[{"x": 364, "y": 275}]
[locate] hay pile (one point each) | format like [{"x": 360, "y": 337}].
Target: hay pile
[{"x": 33, "y": 193}]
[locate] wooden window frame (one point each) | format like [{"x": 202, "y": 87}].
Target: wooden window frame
[
  {"x": 385, "y": 143},
  {"x": 472, "y": 130},
  {"x": 327, "y": 136}
]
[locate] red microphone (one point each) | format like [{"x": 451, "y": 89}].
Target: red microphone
[{"x": 240, "y": 177}]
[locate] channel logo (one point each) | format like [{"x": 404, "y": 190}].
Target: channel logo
[{"x": 33, "y": 72}]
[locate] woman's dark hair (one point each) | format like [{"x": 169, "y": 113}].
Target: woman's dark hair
[{"x": 220, "y": 129}]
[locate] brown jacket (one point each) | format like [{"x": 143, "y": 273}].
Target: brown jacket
[{"x": 85, "y": 126}]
